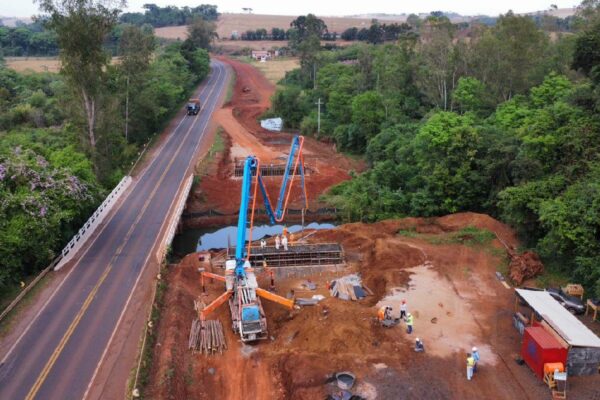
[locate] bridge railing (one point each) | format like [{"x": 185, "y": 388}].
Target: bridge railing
[{"x": 92, "y": 223}]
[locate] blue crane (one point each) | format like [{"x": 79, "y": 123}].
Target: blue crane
[
  {"x": 241, "y": 287},
  {"x": 252, "y": 169}
]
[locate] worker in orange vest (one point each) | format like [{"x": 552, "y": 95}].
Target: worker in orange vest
[{"x": 384, "y": 313}]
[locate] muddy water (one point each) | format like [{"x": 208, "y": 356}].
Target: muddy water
[
  {"x": 192, "y": 240},
  {"x": 443, "y": 320}
]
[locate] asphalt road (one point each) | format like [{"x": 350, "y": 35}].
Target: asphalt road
[{"x": 57, "y": 355}]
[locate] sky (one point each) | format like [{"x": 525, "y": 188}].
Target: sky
[{"x": 24, "y": 8}]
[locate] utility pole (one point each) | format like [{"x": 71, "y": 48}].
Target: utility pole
[{"x": 318, "y": 103}]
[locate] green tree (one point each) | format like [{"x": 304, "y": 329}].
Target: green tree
[
  {"x": 201, "y": 33},
  {"x": 305, "y": 38},
  {"x": 135, "y": 48},
  {"x": 471, "y": 95},
  {"x": 506, "y": 57},
  {"x": 81, "y": 27},
  {"x": 446, "y": 150},
  {"x": 587, "y": 49},
  {"x": 442, "y": 62}
]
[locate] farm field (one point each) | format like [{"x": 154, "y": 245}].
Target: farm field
[
  {"x": 37, "y": 64},
  {"x": 274, "y": 70},
  {"x": 228, "y": 23}
]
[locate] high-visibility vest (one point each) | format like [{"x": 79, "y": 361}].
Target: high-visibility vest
[
  {"x": 381, "y": 314},
  {"x": 470, "y": 362},
  {"x": 409, "y": 320}
]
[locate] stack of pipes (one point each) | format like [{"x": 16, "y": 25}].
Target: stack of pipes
[{"x": 207, "y": 337}]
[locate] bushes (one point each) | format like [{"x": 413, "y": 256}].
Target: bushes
[
  {"x": 47, "y": 192},
  {"x": 49, "y": 184}
]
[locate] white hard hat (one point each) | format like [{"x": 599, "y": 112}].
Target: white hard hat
[
  {"x": 474, "y": 349},
  {"x": 418, "y": 340}
]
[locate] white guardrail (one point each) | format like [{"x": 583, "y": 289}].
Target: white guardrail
[
  {"x": 92, "y": 223},
  {"x": 183, "y": 196}
]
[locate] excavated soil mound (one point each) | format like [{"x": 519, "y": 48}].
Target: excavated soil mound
[{"x": 525, "y": 266}]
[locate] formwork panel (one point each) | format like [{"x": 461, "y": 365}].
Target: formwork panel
[
  {"x": 295, "y": 256},
  {"x": 269, "y": 170}
]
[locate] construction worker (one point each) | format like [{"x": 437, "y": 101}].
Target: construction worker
[
  {"x": 470, "y": 365},
  {"x": 403, "y": 309},
  {"x": 263, "y": 243},
  {"x": 284, "y": 242},
  {"x": 277, "y": 242},
  {"x": 409, "y": 323},
  {"x": 381, "y": 314},
  {"x": 384, "y": 313},
  {"x": 419, "y": 346},
  {"x": 285, "y": 230},
  {"x": 475, "y": 355}
]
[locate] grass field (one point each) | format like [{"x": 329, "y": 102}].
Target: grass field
[
  {"x": 36, "y": 64},
  {"x": 274, "y": 70}
]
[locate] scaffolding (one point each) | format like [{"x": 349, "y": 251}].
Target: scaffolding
[{"x": 301, "y": 255}]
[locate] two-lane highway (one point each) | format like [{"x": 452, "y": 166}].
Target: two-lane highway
[{"x": 58, "y": 353}]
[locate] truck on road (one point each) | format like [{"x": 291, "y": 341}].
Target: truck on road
[{"x": 193, "y": 106}]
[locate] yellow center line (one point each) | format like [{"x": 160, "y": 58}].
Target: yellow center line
[{"x": 52, "y": 360}]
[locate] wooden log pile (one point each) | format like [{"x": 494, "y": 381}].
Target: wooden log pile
[{"x": 207, "y": 337}]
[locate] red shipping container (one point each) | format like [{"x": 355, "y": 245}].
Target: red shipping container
[{"x": 540, "y": 347}]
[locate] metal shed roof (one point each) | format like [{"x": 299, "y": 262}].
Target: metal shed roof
[{"x": 573, "y": 331}]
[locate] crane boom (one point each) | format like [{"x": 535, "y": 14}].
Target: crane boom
[
  {"x": 295, "y": 163},
  {"x": 241, "y": 286}
]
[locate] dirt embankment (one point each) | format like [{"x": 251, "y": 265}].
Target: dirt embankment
[
  {"x": 219, "y": 190},
  {"x": 451, "y": 290}
]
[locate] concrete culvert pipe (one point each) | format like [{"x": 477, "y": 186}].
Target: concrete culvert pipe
[{"x": 345, "y": 380}]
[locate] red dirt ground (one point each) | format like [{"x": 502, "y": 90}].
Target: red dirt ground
[
  {"x": 451, "y": 290},
  {"x": 244, "y": 136}
]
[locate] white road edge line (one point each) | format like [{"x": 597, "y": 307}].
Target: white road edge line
[
  {"x": 133, "y": 290},
  {"x": 14, "y": 345}
]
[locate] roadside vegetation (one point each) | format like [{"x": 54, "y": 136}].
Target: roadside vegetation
[
  {"x": 504, "y": 121},
  {"x": 66, "y": 139}
]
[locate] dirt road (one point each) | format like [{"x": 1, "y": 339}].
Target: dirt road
[{"x": 219, "y": 190}]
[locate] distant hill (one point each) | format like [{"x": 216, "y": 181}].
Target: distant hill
[
  {"x": 559, "y": 12},
  {"x": 12, "y": 21},
  {"x": 455, "y": 17}
]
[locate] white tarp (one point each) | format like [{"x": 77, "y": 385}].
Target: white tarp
[
  {"x": 572, "y": 330},
  {"x": 272, "y": 124}
]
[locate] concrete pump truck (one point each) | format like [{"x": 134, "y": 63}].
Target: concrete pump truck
[{"x": 241, "y": 286}]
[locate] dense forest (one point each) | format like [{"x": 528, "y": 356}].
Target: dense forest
[
  {"x": 504, "y": 122},
  {"x": 66, "y": 139}
]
